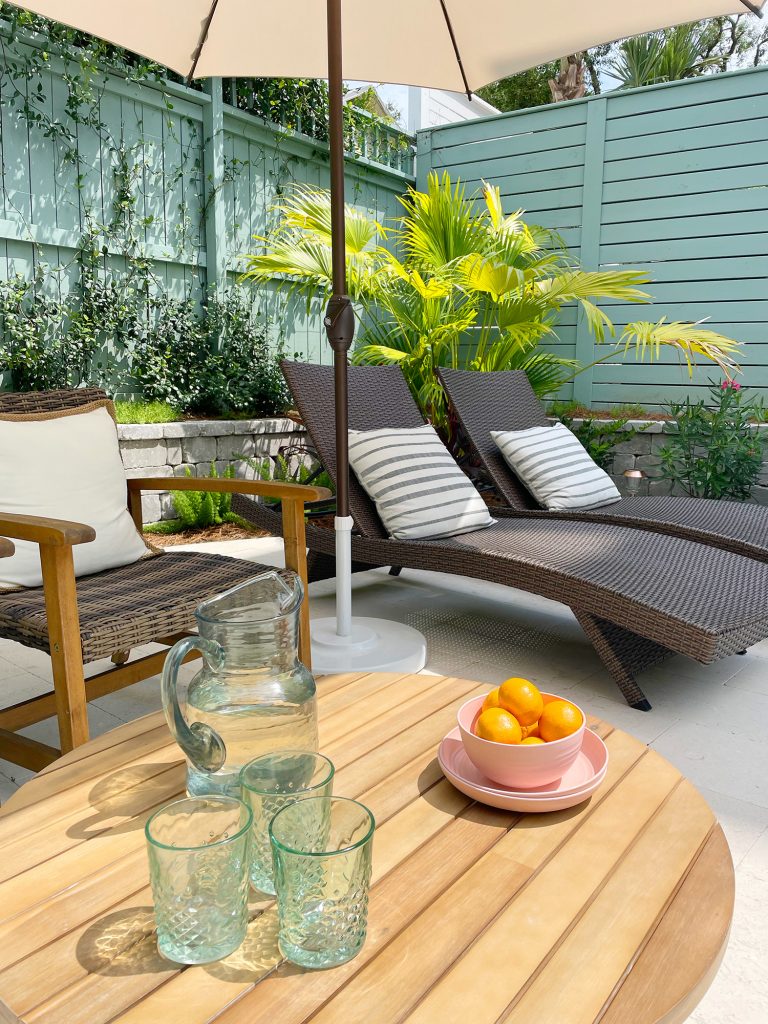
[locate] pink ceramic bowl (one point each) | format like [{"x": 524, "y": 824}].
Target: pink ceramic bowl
[{"x": 519, "y": 766}]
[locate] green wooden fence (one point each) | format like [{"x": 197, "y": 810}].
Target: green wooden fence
[
  {"x": 670, "y": 179},
  {"x": 201, "y": 174}
]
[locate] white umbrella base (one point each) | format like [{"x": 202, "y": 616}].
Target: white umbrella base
[{"x": 373, "y": 645}]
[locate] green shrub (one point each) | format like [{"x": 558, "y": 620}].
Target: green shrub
[
  {"x": 715, "y": 451},
  {"x": 211, "y": 360},
  {"x": 214, "y": 362},
  {"x": 199, "y": 509}
]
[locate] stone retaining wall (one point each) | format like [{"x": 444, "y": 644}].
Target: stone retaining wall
[
  {"x": 169, "y": 449},
  {"x": 642, "y": 452}
]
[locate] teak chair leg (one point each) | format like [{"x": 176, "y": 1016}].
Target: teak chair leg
[
  {"x": 294, "y": 536},
  {"x": 66, "y": 651}
]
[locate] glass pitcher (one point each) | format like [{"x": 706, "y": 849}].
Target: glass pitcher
[{"x": 252, "y": 695}]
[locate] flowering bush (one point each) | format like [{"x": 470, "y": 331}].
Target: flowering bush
[{"x": 715, "y": 450}]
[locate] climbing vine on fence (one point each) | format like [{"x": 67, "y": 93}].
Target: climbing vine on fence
[{"x": 86, "y": 314}]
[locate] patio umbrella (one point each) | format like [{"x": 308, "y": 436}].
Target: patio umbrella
[{"x": 455, "y": 45}]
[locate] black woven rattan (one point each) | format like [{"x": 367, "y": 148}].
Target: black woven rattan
[
  {"x": 30, "y": 402},
  {"x": 639, "y": 597},
  {"x": 130, "y": 606},
  {"x": 504, "y": 400}
]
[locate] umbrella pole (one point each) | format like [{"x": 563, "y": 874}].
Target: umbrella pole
[
  {"x": 339, "y": 321},
  {"x": 345, "y": 644}
]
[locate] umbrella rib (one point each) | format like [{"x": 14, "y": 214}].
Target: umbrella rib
[
  {"x": 753, "y": 7},
  {"x": 202, "y": 39},
  {"x": 451, "y": 33}
]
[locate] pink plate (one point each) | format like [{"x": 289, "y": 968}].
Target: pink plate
[{"x": 579, "y": 781}]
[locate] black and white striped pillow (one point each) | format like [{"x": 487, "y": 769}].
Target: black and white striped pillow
[
  {"x": 418, "y": 489},
  {"x": 556, "y": 468}
]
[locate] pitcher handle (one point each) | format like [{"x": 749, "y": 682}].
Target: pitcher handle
[{"x": 200, "y": 743}]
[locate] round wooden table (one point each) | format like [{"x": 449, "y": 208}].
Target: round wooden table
[{"x": 616, "y": 911}]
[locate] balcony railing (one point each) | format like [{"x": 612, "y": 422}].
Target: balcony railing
[{"x": 366, "y": 137}]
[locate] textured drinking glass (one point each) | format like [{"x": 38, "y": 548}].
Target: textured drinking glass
[
  {"x": 198, "y": 867},
  {"x": 268, "y": 784},
  {"x": 322, "y": 862}
]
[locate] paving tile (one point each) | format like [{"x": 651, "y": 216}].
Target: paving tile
[
  {"x": 718, "y": 760},
  {"x": 739, "y": 993},
  {"x": 745, "y": 825},
  {"x": 753, "y": 676}
]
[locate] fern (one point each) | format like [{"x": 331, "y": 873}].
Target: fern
[{"x": 199, "y": 509}]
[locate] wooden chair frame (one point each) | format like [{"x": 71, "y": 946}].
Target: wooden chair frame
[{"x": 71, "y": 691}]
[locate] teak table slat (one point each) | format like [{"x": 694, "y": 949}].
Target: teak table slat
[{"x": 615, "y": 911}]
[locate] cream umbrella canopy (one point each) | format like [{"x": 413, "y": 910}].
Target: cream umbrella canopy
[{"x": 455, "y": 45}]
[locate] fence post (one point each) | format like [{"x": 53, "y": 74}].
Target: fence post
[
  {"x": 591, "y": 225},
  {"x": 423, "y": 158},
  {"x": 213, "y": 166}
]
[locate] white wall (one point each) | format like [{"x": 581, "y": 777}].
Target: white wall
[{"x": 427, "y": 108}]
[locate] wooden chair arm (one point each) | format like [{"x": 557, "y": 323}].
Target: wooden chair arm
[
  {"x": 264, "y": 488},
  {"x": 292, "y": 497},
  {"x": 41, "y": 530},
  {"x": 6, "y": 547}
]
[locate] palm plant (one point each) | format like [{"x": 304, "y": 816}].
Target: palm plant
[
  {"x": 666, "y": 56},
  {"x": 471, "y": 288}
]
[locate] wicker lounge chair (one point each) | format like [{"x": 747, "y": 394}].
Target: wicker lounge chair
[
  {"x": 108, "y": 613},
  {"x": 639, "y": 598},
  {"x": 504, "y": 400}
]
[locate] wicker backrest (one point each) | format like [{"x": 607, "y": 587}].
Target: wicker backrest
[
  {"x": 497, "y": 400},
  {"x": 31, "y": 402},
  {"x": 378, "y": 397}
]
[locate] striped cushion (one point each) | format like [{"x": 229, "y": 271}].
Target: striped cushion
[
  {"x": 418, "y": 489},
  {"x": 556, "y": 468}
]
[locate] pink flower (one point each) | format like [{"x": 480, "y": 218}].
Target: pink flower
[{"x": 732, "y": 384}]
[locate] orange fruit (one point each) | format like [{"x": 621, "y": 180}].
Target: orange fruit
[
  {"x": 491, "y": 700},
  {"x": 522, "y": 699},
  {"x": 559, "y": 718},
  {"x": 531, "y": 741},
  {"x": 530, "y": 730},
  {"x": 499, "y": 726}
]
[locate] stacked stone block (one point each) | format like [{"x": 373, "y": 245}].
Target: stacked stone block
[{"x": 170, "y": 449}]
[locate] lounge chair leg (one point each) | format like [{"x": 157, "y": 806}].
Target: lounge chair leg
[
  {"x": 623, "y": 653},
  {"x": 395, "y": 570}
]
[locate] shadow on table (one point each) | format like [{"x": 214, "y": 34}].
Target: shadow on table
[
  {"x": 122, "y": 943},
  {"x": 258, "y": 956},
  {"x": 120, "y": 801}
]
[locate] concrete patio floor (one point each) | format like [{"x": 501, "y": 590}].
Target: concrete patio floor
[{"x": 710, "y": 721}]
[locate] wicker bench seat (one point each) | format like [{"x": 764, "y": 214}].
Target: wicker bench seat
[{"x": 130, "y": 606}]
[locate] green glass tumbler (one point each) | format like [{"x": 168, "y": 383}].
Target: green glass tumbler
[
  {"x": 268, "y": 784},
  {"x": 198, "y": 867},
  {"x": 322, "y": 861}
]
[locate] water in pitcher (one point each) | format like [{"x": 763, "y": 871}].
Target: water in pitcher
[
  {"x": 254, "y": 717},
  {"x": 252, "y": 695}
]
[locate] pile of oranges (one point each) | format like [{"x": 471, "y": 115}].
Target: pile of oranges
[{"x": 515, "y": 712}]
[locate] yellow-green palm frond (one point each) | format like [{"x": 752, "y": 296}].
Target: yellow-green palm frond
[
  {"x": 575, "y": 285},
  {"x": 688, "y": 340},
  {"x": 307, "y": 210},
  {"x": 440, "y": 225}
]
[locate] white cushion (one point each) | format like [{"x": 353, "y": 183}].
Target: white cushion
[
  {"x": 418, "y": 489},
  {"x": 66, "y": 466},
  {"x": 556, "y": 468}
]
